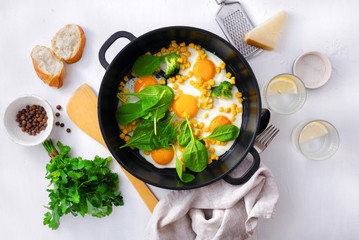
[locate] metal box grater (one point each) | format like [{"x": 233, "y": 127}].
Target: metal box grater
[{"x": 235, "y": 23}]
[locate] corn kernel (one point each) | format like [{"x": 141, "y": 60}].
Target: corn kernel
[
  {"x": 210, "y": 106},
  {"x": 122, "y": 84},
  {"x": 222, "y": 65},
  {"x": 163, "y": 50},
  {"x": 159, "y": 54},
  {"x": 180, "y": 60},
  {"x": 205, "y": 116},
  {"x": 183, "y": 49},
  {"x": 122, "y": 127},
  {"x": 223, "y": 143},
  {"x": 240, "y": 100},
  {"x": 147, "y": 152},
  {"x": 233, "y": 118},
  {"x": 200, "y": 125},
  {"x": 218, "y": 69},
  {"x": 221, "y": 109},
  {"x": 227, "y": 110},
  {"x": 206, "y": 143},
  {"x": 120, "y": 88},
  {"x": 191, "y": 45},
  {"x": 233, "y": 80},
  {"x": 176, "y": 97},
  {"x": 187, "y": 54},
  {"x": 125, "y": 131},
  {"x": 234, "y": 112},
  {"x": 148, "y": 53},
  {"x": 238, "y": 109},
  {"x": 200, "y": 104},
  {"x": 181, "y": 148},
  {"x": 127, "y": 138},
  {"x": 192, "y": 82},
  {"x": 193, "y": 121},
  {"x": 213, "y": 156},
  {"x": 212, "y": 141},
  {"x": 180, "y": 81},
  {"x": 197, "y": 47},
  {"x": 211, "y": 82},
  {"x": 162, "y": 81},
  {"x": 238, "y": 94},
  {"x": 122, "y": 135},
  {"x": 126, "y": 90},
  {"x": 187, "y": 64},
  {"x": 175, "y": 86},
  {"x": 211, "y": 150},
  {"x": 133, "y": 75},
  {"x": 190, "y": 74},
  {"x": 198, "y": 132},
  {"x": 209, "y": 161},
  {"x": 228, "y": 75},
  {"x": 218, "y": 142},
  {"x": 204, "y": 56},
  {"x": 179, "y": 91},
  {"x": 125, "y": 78}
]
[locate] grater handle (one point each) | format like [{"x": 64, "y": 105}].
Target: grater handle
[{"x": 219, "y": 2}]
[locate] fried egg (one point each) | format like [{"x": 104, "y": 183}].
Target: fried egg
[{"x": 192, "y": 86}]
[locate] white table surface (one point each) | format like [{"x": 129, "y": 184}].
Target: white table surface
[{"x": 318, "y": 200}]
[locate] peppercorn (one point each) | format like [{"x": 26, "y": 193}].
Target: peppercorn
[
  {"x": 68, "y": 130},
  {"x": 58, "y": 107},
  {"x": 32, "y": 119},
  {"x": 57, "y": 114}
]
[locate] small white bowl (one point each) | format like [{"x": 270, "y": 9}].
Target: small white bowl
[
  {"x": 14, "y": 131},
  {"x": 313, "y": 68}
]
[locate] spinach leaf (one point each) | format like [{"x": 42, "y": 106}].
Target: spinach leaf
[
  {"x": 224, "y": 133},
  {"x": 159, "y": 110},
  {"x": 129, "y": 112},
  {"x": 146, "y": 64},
  {"x": 150, "y": 95},
  {"x": 185, "y": 177},
  {"x": 195, "y": 155},
  {"x": 185, "y": 135},
  {"x": 166, "y": 134},
  {"x": 141, "y": 137}
]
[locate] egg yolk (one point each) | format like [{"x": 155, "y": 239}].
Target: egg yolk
[
  {"x": 162, "y": 156},
  {"x": 205, "y": 69},
  {"x": 217, "y": 121},
  {"x": 185, "y": 105},
  {"x": 143, "y": 82}
]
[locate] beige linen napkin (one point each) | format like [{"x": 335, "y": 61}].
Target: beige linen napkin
[{"x": 217, "y": 211}]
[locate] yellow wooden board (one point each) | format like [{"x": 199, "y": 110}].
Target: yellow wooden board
[{"x": 82, "y": 110}]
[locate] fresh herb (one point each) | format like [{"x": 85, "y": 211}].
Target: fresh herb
[
  {"x": 147, "y": 64},
  {"x": 185, "y": 134},
  {"x": 185, "y": 177},
  {"x": 195, "y": 155},
  {"x": 224, "y": 133},
  {"x": 223, "y": 90},
  {"x": 154, "y": 103},
  {"x": 79, "y": 186}
]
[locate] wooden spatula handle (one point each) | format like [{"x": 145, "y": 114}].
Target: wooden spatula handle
[{"x": 82, "y": 110}]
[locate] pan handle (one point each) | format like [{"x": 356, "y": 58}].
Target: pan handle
[
  {"x": 109, "y": 42},
  {"x": 249, "y": 173}
]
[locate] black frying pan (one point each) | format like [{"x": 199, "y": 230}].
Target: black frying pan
[{"x": 153, "y": 41}]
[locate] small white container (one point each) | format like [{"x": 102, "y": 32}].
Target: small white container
[
  {"x": 313, "y": 68},
  {"x": 14, "y": 131}
]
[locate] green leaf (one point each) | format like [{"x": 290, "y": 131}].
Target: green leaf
[
  {"x": 146, "y": 64},
  {"x": 185, "y": 135},
  {"x": 141, "y": 137},
  {"x": 129, "y": 112},
  {"x": 195, "y": 156},
  {"x": 224, "y": 133},
  {"x": 165, "y": 136},
  {"x": 185, "y": 177}
]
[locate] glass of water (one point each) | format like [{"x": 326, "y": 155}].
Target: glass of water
[
  {"x": 317, "y": 140},
  {"x": 284, "y": 94}
]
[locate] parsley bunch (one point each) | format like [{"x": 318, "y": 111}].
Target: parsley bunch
[{"x": 79, "y": 186}]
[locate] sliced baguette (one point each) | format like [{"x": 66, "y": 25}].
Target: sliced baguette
[
  {"x": 68, "y": 43},
  {"x": 48, "y": 66}
]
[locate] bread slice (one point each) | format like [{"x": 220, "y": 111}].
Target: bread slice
[
  {"x": 68, "y": 43},
  {"x": 48, "y": 66},
  {"x": 266, "y": 35}
]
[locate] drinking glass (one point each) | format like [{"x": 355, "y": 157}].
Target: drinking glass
[
  {"x": 317, "y": 140},
  {"x": 284, "y": 94}
]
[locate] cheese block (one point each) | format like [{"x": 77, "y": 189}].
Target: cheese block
[{"x": 266, "y": 35}]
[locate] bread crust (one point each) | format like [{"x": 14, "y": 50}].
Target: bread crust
[
  {"x": 78, "y": 54},
  {"x": 52, "y": 80}
]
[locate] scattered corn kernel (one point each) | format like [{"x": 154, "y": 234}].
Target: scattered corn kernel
[
  {"x": 193, "y": 121},
  {"x": 126, "y": 90},
  {"x": 180, "y": 60},
  {"x": 125, "y": 78},
  {"x": 127, "y": 138},
  {"x": 205, "y": 116},
  {"x": 200, "y": 125},
  {"x": 159, "y": 54},
  {"x": 222, "y": 65},
  {"x": 211, "y": 150},
  {"x": 146, "y": 152},
  {"x": 233, "y": 118},
  {"x": 122, "y": 135},
  {"x": 221, "y": 109},
  {"x": 233, "y": 80},
  {"x": 187, "y": 54},
  {"x": 238, "y": 94},
  {"x": 227, "y": 110},
  {"x": 162, "y": 81},
  {"x": 179, "y": 91},
  {"x": 125, "y": 131},
  {"x": 210, "y": 106},
  {"x": 198, "y": 132},
  {"x": 228, "y": 75},
  {"x": 191, "y": 45},
  {"x": 134, "y": 75},
  {"x": 239, "y": 109},
  {"x": 240, "y": 100},
  {"x": 218, "y": 69},
  {"x": 190, "y": 74}
]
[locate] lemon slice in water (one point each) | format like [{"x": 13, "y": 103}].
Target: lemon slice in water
[
  {"x": 311, "y": 131},
  {"x": 282, "y": 85}
]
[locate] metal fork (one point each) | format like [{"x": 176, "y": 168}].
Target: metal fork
[{"x": 265, "y": 138}]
